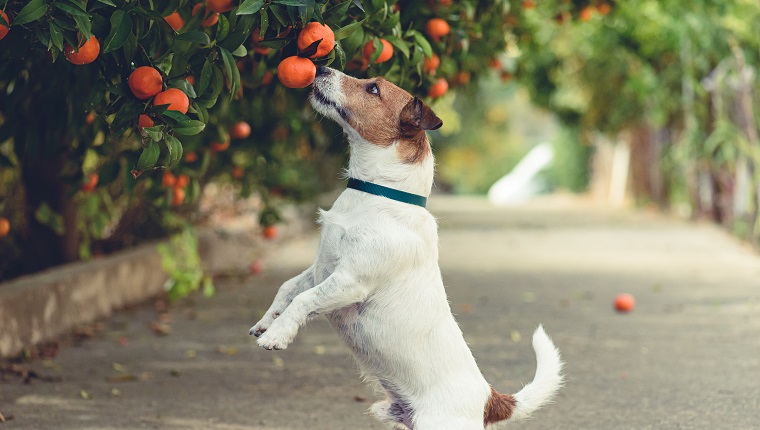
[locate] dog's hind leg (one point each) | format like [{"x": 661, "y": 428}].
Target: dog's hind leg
[{"x": 285, "y": 295}]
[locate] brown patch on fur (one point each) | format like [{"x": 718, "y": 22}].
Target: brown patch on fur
[
  {"x": 389, "y": 116},
  {"x": 499, "y": 407}
]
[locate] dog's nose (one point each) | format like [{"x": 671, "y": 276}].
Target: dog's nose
[{"x": 322, "y": 70}]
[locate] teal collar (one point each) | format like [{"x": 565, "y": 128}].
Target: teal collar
[{"x": 393, "y": 194}]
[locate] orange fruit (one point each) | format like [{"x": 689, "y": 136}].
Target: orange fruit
[
  {"x": 603, "y": 9},
  {"x": 5, "y": 227},
  {"x": 175, "y": 98},
  {"x": 209, "y": 17},
  {"x": 267, "y": 78},
  {"x": 528, "y": 4},
  {"x": 190, "y": 79},
  {"x": 432, "y": 63},
  {"x": 238, "y": 172},
  {"x": 240, "y": 130},
  {"x": 314, "y": 31},
  {"x": 437, "y": 28},
  {"x": 506, "y": 76},
  {"x": 90, "y": 118},
  {"x": 385, "y": 55},
  {"x": 145, "y": 82},
  {"x": 191, "y": 157},
  {"x": 168, "y": 179},
  {"x": 4, "y": 28},
  {"x": 439, "y": 88},
  {"x": 178, "y": 196},
  {"x": 219, "y": 6},
  {"x": 296, "y": 72},
  {"x": 144, "y": 121},
  {"x": 624, "y": 302},
  {"x": 174, "y": 20},
  {"x": 255, "y": 267},
  {"x": 220, "y": 146},
  {"x": 88, "y": 52},
  {"x": 462, "y": 78},
  {"x": 91, "y": 184},
  {"x": 586, "y": 13},
  {"x": 269, "y": 232},
  {"x": 182, "y": 181}
]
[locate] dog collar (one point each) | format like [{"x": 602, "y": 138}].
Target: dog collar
[{"x": 390, "y": 193}]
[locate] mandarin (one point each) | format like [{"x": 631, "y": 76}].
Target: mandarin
[
  {"x": 219, "y": 6},
  {"x": 314, "y": 31},
  {"x": 437, "y": 28},
  {"x": 87, "y": 53},
  {"x": 296, "y": 72},
  {"x": 5, "y": 227},
  {"x": 175, "y": 21},
  {"x": 385, "y": 54},
  {"x": 175, "y": 98},
  {"x": 439, "y": 88},
  {"x": 145, "y": 82},
  {"x": 209, "y": 17},
  {"x": 4, "y": 28}
]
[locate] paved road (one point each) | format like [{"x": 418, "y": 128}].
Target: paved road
[{"x": 688, "y": 357}]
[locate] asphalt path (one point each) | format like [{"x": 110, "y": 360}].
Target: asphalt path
[{"x": 687, "y": 356}]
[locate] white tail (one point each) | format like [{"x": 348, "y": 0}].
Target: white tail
[{"x": 546, "y": 383}]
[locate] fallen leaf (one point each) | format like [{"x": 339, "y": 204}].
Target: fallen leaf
[
  {"x": 174, "y": 372},
  {"x": 360, "y": 399},
  {"x": 278, "y": 362},
  {"x": 191, "y": 353},
  {"x": 123, "y": 341},
  {"x": 115, "y": 392},
  {"x": 87, "y": 395},
  {"x": 119, "y": 367},
  {"x": 320, "y": 350},
  {"x": 160, "y": 329},
  {"x": 122, "y": 377},
  {"x": 515, "y": 336}
]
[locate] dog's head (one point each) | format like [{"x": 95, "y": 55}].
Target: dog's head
[{"x": 376, "y": 111}]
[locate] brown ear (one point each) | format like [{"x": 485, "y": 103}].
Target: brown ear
[{"x": 416, "y": 117}]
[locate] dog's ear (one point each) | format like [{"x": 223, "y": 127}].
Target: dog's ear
[{"x": 417, "y": 116}]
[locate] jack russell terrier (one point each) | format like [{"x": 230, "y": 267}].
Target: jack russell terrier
[{"x": 376, "y": 275}]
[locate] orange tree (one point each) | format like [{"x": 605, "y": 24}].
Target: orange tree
[{"x": 115, "y": 113}]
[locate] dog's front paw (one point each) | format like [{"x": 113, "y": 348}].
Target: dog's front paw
[
  {"x": 278, "y": 336},
  {"x": 262, "y": 326}
]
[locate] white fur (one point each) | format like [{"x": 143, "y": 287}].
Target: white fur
[{"x": 376, "y": 278}]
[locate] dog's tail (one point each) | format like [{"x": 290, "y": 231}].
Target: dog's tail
[{"x": 540, "y": 391}]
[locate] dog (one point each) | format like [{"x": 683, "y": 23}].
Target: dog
[{"x": 376, "y": 274}]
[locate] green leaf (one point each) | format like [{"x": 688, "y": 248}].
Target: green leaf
[
  {"x": 107, "y": 2},
  {"x": 156, "y": 133},
  {"x": 250, "y": 6},
  {"x": 191, "y": 127},
  {"x": 149, "y": 156},
  {"x": 291, "y": 2},
  {"x": 130, "y": 47},
  {"x": 71, "y": 8},
  {"x": 121, "y": 28},
  {"x": 240, "y": 51},
  {"x": 223, "y": 28},
  {"x": 178, "y": 117},
  {"x": 423, "y": 43},
  {"x": 185, "y": 86},
  {"x": 205, "y": 78},
  {"x": 229, "y": 65},
  {"x": 400, "y": 44},
  {"x": 195, "y": 36},
  {"x": 174, "y": 146},
  {"x": 348, "y": 30},
  {"x": 84, "y": 25},
  {"x": 56, "y": 37},
  {"x": 33, "y": 11}
]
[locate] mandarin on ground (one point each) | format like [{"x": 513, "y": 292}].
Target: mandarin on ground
[
  {"x": 314, "y": 31},
  {"x": 270, "y": 232},
  {"x": 175, "y": 21},
  {"x": 385, "y": 54},
  {"x": 439, "y": 88},
  {"x": 209, "y": 17},
  {"x": 296, "y": 72},
  {"x": 437, "y": 28},
  {"x": 5, "y": 227},
  {"x": 175, "y": 98},
  {"x": 144, "y": 121},
  {"x": 145, "y": 82},
  {"x": 219, "y": 6},
  {"x": 4, "y": 28},
  {"x": 87, "y": 53},
  {"x": 432, "y": 63},
  {"x": 240, "y": 130},
  {"x": 624, "y": 302}
]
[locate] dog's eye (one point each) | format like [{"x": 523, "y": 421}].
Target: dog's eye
[{"x": 373, "y": 89}]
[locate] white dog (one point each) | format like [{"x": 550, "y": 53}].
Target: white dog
[{"x": 376, "y": 274}]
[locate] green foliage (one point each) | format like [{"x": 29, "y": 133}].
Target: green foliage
[
  {"x": 180, "y": 260},
  {"x": 66, "y": 121}
]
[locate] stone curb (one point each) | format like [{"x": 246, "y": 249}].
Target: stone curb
[{"x": 42, "y": 307}]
